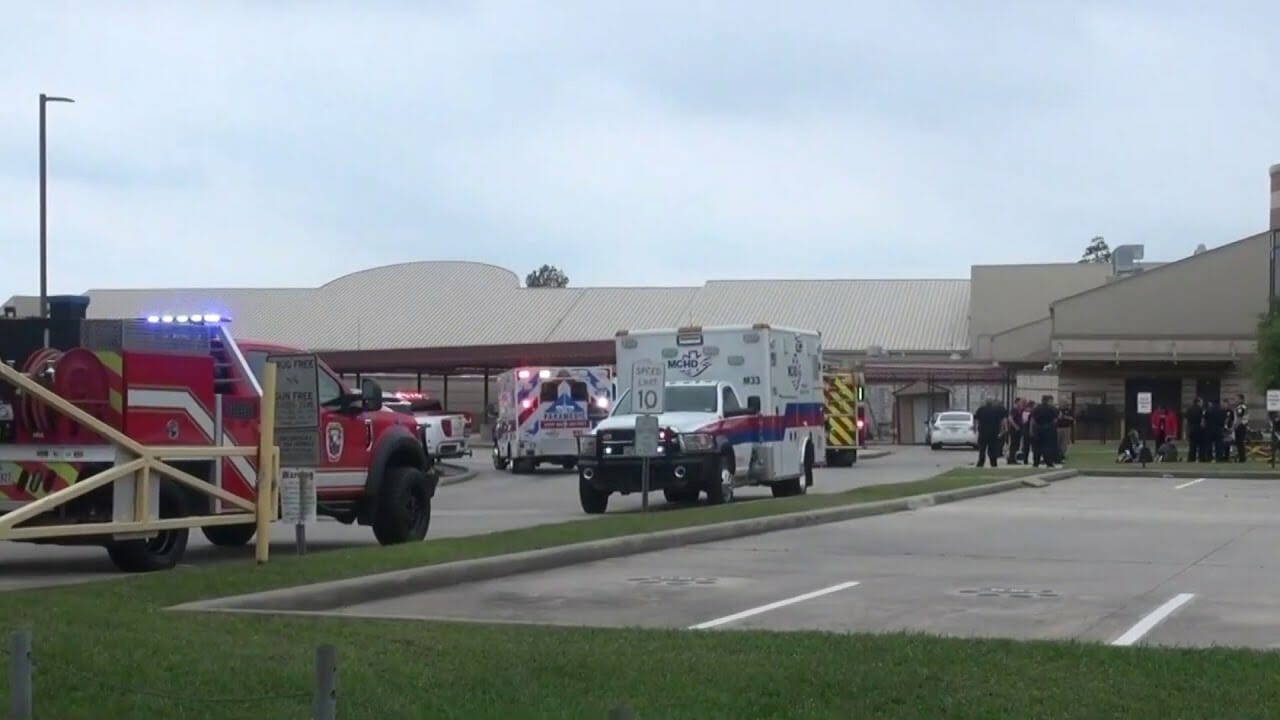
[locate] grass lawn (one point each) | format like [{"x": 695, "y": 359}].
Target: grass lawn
[
  {"x": 106, "y": 650},
  {"x": 1092, "y": 455}
]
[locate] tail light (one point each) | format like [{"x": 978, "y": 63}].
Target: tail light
[
  {"x": 860, "y": 423},
  {"x": 526, "y": 403},
  {"x": 447, "y": 424}
]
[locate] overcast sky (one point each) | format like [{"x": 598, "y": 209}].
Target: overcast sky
[{"x": 286, "y": 143}]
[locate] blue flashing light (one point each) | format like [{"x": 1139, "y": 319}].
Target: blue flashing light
[{"x": 194, "y": 318}]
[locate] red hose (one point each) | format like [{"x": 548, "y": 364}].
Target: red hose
[{"x": 35, "y": 414}]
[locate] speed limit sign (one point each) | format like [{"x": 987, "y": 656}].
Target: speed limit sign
[{"x": 648, "y": 387}]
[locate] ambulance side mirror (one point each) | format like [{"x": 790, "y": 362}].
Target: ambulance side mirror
[{"x": 753, "y": 404}]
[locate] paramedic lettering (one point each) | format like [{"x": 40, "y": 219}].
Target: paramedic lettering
[{"x": 692, "y": 363}]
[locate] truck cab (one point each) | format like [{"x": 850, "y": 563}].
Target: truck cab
[{"x": 185, "y": 381}]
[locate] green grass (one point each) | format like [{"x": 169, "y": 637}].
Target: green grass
[
  {"x": 1095, "y": 456},
  {"x": 109, "y": 650}
]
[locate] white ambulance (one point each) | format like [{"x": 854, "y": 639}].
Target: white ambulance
[
  {"x": 541, "y": 412},
  {"x": 743, "y": 406}
]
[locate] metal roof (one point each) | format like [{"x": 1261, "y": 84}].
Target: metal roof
[{"x": 463, "y": 304}]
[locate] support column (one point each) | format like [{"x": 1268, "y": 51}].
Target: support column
[
  {"x": 445, "y": 390},
  {"x": 419, "y": 383}
]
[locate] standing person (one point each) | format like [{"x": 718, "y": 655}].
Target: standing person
[
  {"x": 1195, "y": 435},
  {"x": 1159, "y": 425},
  {"x": 989, "y": 419},
  {"x": 1015, "y": 430},
  {"x": 1044, "y": 421},
  {"x": 1065, "y": 421},
  {"x": 1241, "y": 428},
  {"x": 1226, "y": 433},
  {"x": 1211, "y": 433},
  {"x": 1025, "y": 452}
]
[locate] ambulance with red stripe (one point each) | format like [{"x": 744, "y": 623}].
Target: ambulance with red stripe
[
  {"x": 543, "y": 410},
  {"x": 183, "y": 380},
  {"x": 742, "y": 406}
]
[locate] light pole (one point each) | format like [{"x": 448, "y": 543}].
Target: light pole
[{"x": 44, "y": 260}]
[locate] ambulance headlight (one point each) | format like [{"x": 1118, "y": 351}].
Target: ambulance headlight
[
  {"x": 698, "y": 442},
  {"x": 602, "y": 403},
  {"x": 586, "y": 446}
]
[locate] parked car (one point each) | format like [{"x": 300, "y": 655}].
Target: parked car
[{"x": 950, "y": 428}]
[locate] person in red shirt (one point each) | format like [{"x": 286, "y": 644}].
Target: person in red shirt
[{"x": 1159, "y": 425}]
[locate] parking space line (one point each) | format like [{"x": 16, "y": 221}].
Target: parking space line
[
  {"x": 1144, "y": 626},
  {"x": 772, "y": 606},
  {"x": 1189, "y": 484}
]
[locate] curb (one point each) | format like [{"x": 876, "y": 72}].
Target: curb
[
  {"x": 352, "y": 591},
  {"x": 454, "y": 478},
  {"x": 868, "y": 454}
]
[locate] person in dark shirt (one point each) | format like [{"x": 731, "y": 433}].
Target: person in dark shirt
[
  {"x": 1195, "y": 432},
  {"x": 1211, "y": 432},
  {"x": 989, "y": 419},
  {"x": 1044, "y": 433},
  {"x": 1241, "y": 429},
  {"x": 1015, "y": 430}
]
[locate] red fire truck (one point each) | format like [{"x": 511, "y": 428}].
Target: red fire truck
[{"x": 183, "y": 380}]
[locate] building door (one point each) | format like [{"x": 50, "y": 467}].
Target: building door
[
  {"x": 1209, "y": 389},
  {"x": 1165, "y": 392}
]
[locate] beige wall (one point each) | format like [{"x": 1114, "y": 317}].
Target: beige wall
[
  {"x": 1025, "y": 342},
  {"x": 1218, "y": 294},
  {"x": 1006, "y": 296}
]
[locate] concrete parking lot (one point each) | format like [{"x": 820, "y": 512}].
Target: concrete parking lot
[
  {"x": 492, "y": 501},
  {"x": 1120, "y": 561}
]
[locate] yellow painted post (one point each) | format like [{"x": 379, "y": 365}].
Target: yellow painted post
[{"x": 266, "y": 461}]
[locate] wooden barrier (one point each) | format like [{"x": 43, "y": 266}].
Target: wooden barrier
[{"x": 141, "y": 463}]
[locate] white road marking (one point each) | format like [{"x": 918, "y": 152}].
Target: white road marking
[
  {"x": 1189, "y": 484},
  {"x": 1144, "y": 626},
  {"x": 772, "y": 606}
]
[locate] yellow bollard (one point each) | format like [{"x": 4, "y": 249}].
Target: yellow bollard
[{"x": 266, "y": 462}]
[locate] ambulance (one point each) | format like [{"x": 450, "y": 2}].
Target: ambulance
[
  {"x": 742, "y": 406},
  {"x": 541, "y": 412}
]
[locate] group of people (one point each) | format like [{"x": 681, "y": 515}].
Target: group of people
[
  {"x": 1213, "y": 428},
  {"x": 1035, "y": 431}
]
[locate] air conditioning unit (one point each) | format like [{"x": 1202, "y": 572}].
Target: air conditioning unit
[{"x": 1124, "y": 259}]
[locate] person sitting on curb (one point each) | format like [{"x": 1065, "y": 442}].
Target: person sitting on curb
[{"x": 1168, "y": 452}]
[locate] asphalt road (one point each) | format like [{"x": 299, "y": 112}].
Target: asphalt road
[
  {"x": 1119, "y": 561},
  {"x": 490, "y": 502}
]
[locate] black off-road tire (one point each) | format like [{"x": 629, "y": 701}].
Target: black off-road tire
[
  {"x": 162, "y": 552},
  {"x": 718, "y": 492},
  {"x": 229, "y": 535},
  {"x": 594, "y": 502},
  {"x": 799, "y": 485},
  {"x": 402, "y": 509}
]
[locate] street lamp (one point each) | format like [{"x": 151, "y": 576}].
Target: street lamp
[{"x": 44, "y": 263}]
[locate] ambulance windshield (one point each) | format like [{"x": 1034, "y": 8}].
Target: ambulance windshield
[{"x": 679, "y": 398}]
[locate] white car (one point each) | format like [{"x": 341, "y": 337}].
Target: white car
[{"x": 953, "y": 427}]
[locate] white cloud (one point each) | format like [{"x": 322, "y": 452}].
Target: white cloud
[{"x": 287, "y": 143}]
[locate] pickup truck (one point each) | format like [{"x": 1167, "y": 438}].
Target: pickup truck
[{"x": 445, "y": 434}]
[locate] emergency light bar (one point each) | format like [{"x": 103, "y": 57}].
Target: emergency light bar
[{"x": 188, "y": 319}]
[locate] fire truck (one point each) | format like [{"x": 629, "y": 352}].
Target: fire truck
[
  {"x": 845, "y": 420},
  {"x": 183, "y": 380}
]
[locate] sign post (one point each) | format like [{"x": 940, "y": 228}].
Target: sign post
[
  {"x": 648, "y": 399},
  {"x": 1273, "y": 407},
  {"x": 1144, "y": 408},
  {"x": 297, "y": 429}
]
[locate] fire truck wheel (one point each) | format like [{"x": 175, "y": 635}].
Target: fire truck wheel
[
  {"x": 594, "y": 502},
  {"x": 229, "y": 535},
  {"x": 161, "y": 552},
  {"x": 403, "y": 507},
  {"x": 720, "y": 486}
]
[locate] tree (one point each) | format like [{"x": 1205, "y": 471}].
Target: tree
[
  {"x": 547, "y": 276},
  {"x": 1266, "y": 364},
  {"x": 1097, "y": 251}
]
